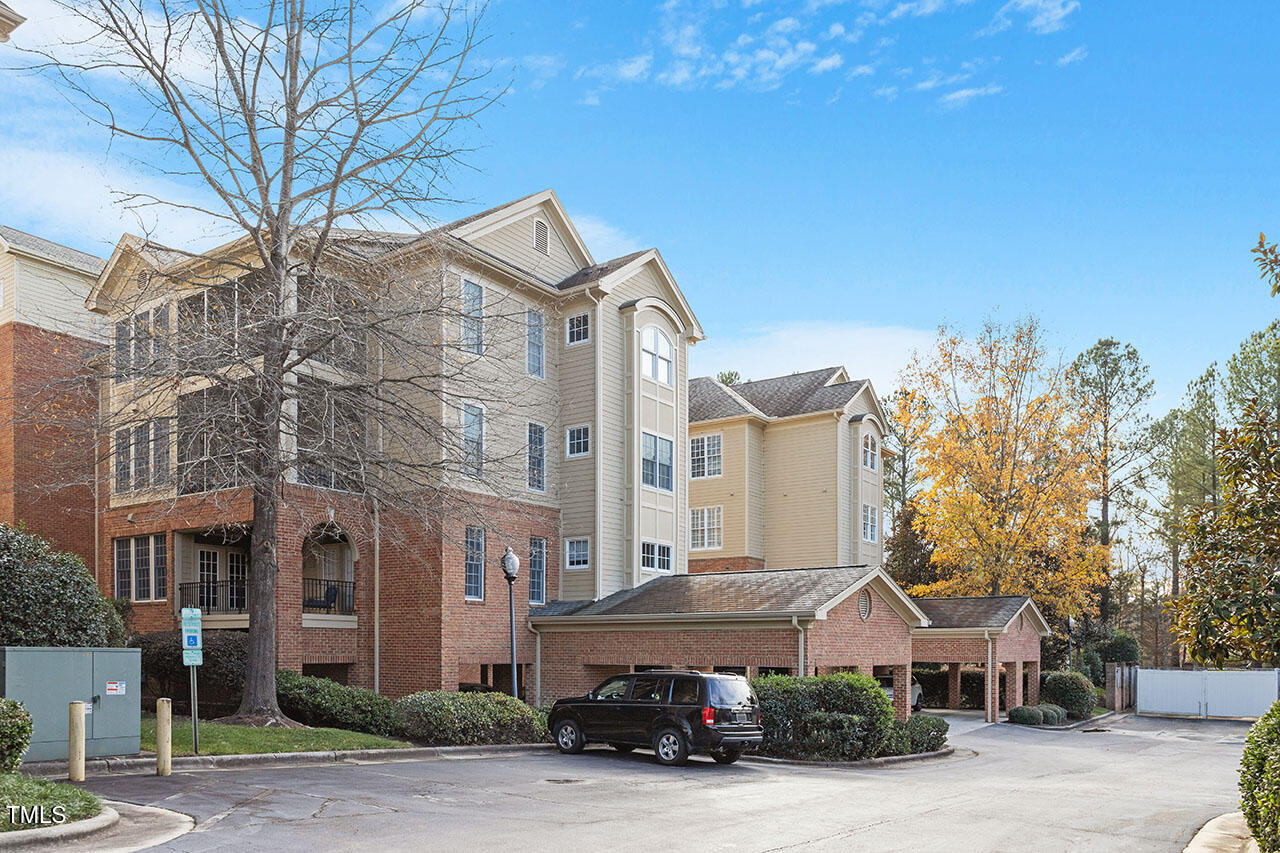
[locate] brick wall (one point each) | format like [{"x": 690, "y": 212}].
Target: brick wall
[{"x": 726, "y": 564}]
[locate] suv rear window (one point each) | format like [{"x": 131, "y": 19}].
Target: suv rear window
[
  {"x": 730, "y": 692},
  {"x": 684, "y": 691},
  {"x": 649, "y": 688}
]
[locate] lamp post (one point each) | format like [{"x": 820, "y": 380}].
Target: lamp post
[{"x": 511, "y": 568}]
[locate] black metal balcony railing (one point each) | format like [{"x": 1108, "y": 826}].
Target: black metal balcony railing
[
  {"x": 214, "y": 597},
  {"x": 326, "y": 596}
]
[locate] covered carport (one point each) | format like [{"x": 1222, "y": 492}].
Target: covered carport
[{"x": 988, "y": 632}]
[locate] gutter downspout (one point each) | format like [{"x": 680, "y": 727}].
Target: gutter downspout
[
  {"x": 377, "y": 565},
  {"x": 795, "y": 622}
]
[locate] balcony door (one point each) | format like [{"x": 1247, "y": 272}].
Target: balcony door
[{"x": 207, "y": 566}]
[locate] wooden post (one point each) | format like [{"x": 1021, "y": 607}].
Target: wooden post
[
  {"x": 164, "y": 737},
  {"x": 75, "y": 742}
]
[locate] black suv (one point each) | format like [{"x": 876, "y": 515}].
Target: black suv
[{"x": 674, "y": 713}]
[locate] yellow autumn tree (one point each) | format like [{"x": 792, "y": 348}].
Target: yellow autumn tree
[{"x": 1005, "y": 471}]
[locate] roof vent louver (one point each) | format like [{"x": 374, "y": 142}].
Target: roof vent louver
[{"x": 540, "y": 240}]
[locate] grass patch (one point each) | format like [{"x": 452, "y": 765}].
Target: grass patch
[
  {"x": 19, "y": 790},
  {"x": 220, "y": 739},
  {"x": 1098, "y": 711}
]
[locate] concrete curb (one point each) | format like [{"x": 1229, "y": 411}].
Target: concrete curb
[
  {"x": 865, "y": 763},
  {"x": 1110, "y": 715},
  {"x": 112, "y": 766},
  {"x": 1226, "y": 833},
  {"x": 22, "y": 839}
]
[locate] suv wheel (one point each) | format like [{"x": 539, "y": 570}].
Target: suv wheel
[
  {"x": 726, "y": 756},
  {"x": 622, "y": 747},
  {"x": 569, "y": 737},
  {"x": 671, "y": 747}
]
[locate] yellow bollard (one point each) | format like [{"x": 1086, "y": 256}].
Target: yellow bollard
[
  {"x": 164, "y": 737},
  {"x": 75, "y": 742}
]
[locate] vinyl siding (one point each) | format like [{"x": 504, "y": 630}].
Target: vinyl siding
[
  {"x": 50, "y": 297},
  {"x": 514, "y": 243},
  {"x": 729, "y": 490},
  {"x": 801, "y": 491},
  {"x": 578, "y": 406},
  {"x": 757, "y": 508}
]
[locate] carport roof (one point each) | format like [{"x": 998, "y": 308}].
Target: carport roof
[
  {"x": 802, "y": 592},
  {"x": 992, "y": 611}
]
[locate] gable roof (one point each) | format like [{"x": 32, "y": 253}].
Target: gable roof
[
  {"x": 994, "y": 612},
  {"x": 9, "y": 21},
  {"x": 805, "y": 593},
  {"x": 824, "y": 390},
  {"x": 710, "y": 399},
  {"x": 596, "y": 272},
  {"x": 47, "y": 250}
]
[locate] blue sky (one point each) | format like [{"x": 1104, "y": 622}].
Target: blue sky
[{"x": 831, "y": 180}]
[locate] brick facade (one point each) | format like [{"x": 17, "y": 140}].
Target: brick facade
[{"x": 726, "y": 564}]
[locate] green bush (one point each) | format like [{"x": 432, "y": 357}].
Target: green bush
[
  {"x": 1069, "y": 690},
  {"x": 1121, "y": 648},
  {"x": 49, "y": 598},
  {"x": 440, "y": 718},
  {"x": 15, "y": 734},
  {"x": 324, "y": 702},
  {"x": 897, "y": 743},
  {"x": 928, "y": 734},
  {"x": 220, "y": 678},
  {"x": 1260, "y": 780},
  {"x": 1054, "y": 715},
  {"x": 1026, "y": 715},
  {"x": 833, "y": 736},
  {"x": 1091, "y": 665},
  {"x": 788, "y": 704}
]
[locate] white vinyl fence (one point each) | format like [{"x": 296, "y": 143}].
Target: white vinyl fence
[{"x": 1206, "y": 692}]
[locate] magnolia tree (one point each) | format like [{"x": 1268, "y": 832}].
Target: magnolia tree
[{"x": 311, "y": 348}]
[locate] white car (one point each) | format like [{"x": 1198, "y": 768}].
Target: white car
[{"x": 917, "y": 692}]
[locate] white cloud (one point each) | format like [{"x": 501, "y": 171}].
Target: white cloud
[
  {"x": 1077, "y": 55},
  {"x": 861, "y": 71},
  {"x": 1045, "y": 16},
  {"x": 889, "y": 93},
  {"x": 829, "y": 63},
  {"x": 960, "y": 97},
  {"x": 835, "y": 31},
  {"x": 542, "y": 67},
  {"x": 628, "y": 70},
  {"x": 591, "y": 99},
  {"x": 604, "y": 240},
  {"x": 785, "y": 25},
  {"x": 874, "y": 352}
]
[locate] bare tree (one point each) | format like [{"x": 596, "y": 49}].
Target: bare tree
[{"x": 309, "y": 350}]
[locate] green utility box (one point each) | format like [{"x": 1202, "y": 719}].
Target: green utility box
[{"x": 47, "y": 680}]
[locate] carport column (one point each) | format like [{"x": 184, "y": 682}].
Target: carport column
[
  {"x": 992, "y": 703},
  {"x": 1013, "y": 683},
  {"x": 953, "y": 686},
  {"x": 1033, "y": 682},
  {"x": 902, "y": 690}
]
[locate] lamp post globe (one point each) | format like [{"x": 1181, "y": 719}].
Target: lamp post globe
[{"x": 511, "y": 568}]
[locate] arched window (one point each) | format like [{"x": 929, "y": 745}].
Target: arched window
[
  {"x": 657, "y": 355},
  {"x": 870, "y": 452}
]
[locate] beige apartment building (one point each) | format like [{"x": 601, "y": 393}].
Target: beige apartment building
[{"x": 785, "y": 472}]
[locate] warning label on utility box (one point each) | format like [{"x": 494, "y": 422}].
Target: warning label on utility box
[{"x": 115, "y": 688}]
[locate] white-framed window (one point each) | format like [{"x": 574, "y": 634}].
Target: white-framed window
[
  {"x": 870, "y": 523},
  {"x": 655, "y": 557},
  {"x": 140, "y": 345},
  {"x": 537, "y": 570},
  {"x": 870, "y": 452},
  {"x": 472, "y": 317},
  {"x": 577, "y": 441},
  {"x": 541, "y": 237},
  {"x": 704, "y": 456},
  {"x": 577, "y": 553},
  {"x": 141, "y": 456},
  {"x": 472, "y": 440},
  {"x": 536, "y": 343},
  {"x": 331, "y": 436},
  {"x": 473, "y": 568},
  {"x": 537, "y": 457},
  {"x": 577, "y": 329},
  {"x": 656, "y": 462},
  {"x": 141, "y": 567},
  {"x": 704, "y": 528},
  {"x": 657, "y": 356}
]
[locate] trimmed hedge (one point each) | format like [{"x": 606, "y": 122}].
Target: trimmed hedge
[
  {"x": 220, "y": 679},
  {"x": 1071, "y": 691},
  {"x": 1260, "y": 780},
  {"x": 323, "y": 702},
  {"x": 928, "y": 734},
  {"x": 441, "y": 718},
  {"x": 1026, "y": 715},
  {"x": 1054, "y": 715},
  {"x": 15, "y": 734},
  {"x": 49, "y": 598},
  {"x": 796, "y": 711}
]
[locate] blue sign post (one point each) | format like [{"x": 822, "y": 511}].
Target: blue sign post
[{"x": 193, "y": 656}]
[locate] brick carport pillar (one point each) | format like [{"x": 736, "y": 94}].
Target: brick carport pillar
[
  {"x": 953, "y": 686},
  {"x": 992, "y": 703},
  {"x": 1013, "y": 683},
  {"x": 1033, "y": 682},
  {"x": 902, "y": 690}
]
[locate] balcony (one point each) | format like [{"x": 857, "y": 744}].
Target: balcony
[
  {"x": 216, "y": 598},
  {"x": 330, "y": 597}
]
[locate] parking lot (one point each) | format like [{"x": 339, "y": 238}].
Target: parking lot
[{"x": 1142, "y": 784}]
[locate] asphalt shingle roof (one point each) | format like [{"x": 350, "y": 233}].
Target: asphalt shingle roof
[
  {"x": 709, "y": 400},
  {"x": 779, "y": 397},
  {"x": 586, "y": 275},
  {"x": 57, "y": 252},
  {"x": 726, "y": 592},
  {"x": 993, "y": 611}
]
